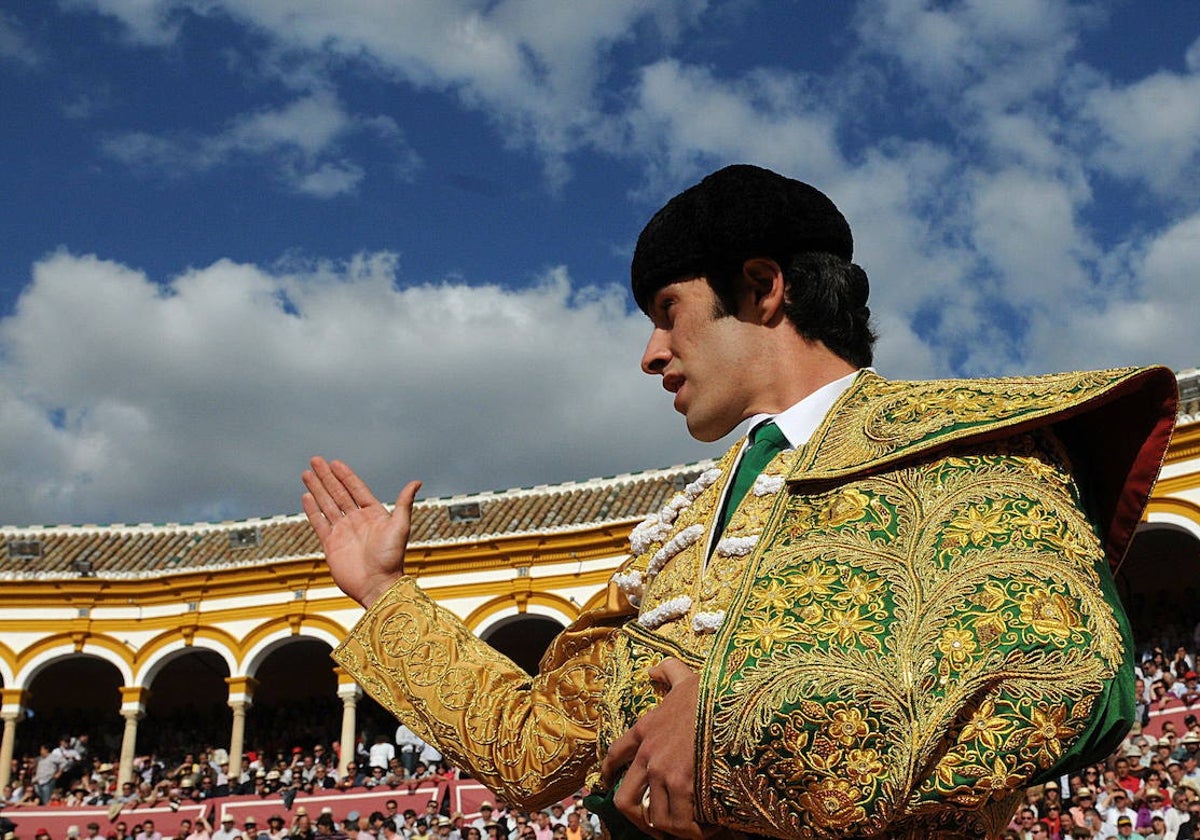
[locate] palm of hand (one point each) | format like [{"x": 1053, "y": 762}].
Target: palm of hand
[{"x": 364, "y": 543}]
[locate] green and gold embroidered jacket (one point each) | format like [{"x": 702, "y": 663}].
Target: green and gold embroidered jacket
[{"x": 905, "y": 622}]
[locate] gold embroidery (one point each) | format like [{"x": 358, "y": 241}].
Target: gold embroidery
[
  {"x": 900, "y": 653},
  {"x": 933, "y": 600},
  {"x": 533, "y": 740}
]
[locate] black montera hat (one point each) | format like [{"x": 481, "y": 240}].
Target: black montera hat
[{"x": 735, "y": 213}]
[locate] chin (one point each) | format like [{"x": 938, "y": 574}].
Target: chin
[{"x": 707, "y": 432}]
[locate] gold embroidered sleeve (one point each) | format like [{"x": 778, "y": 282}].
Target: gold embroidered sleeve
[
  {"x": 532, "y": 739},
  {"x": 911, "y": 649}
]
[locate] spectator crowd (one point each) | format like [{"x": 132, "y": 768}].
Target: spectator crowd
[{"x": 1149, "y": 789}]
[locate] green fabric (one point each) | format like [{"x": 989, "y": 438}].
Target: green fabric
[
  {"x": 614, "y": 821},
  {"x": 766, "y": 441},
  {"x": 1113, "y": 714}
]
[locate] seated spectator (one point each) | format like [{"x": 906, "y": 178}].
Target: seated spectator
[
  {"x": 275, "y": 829},
  {"x": 351, "y": 778},
  {"x": 201, "y": 831},
  {"x": 148, "y": 832},
  {"x": 250, "y": 828},
  {"x": 228, "y": 829}
]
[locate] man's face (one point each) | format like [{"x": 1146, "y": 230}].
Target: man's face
[{"x": 704, "y": 360}]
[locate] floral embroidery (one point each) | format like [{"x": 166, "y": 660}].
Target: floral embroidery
[
  {"x": 1048, "y": 731},
  {"x": 1049, "y": 613},
  {"x": 958, "y": 645},
  {"x": 847, "y": 726}
]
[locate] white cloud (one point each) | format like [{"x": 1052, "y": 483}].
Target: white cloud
[
  {"x": 15, "y": 45},
  {"x": 151, "y": 22},
  {"x": 123, "y": 399},
  {"x": 992, "y": 54},
  {"x": 1025, "y": 228},
  {"x": 303, "y": 139},
  {"x": 1138, "y": 313},
  {"x": 1150, "y": 131},
  {"x": 687, "y": 118},
  {"x": 533, "y": 66}
]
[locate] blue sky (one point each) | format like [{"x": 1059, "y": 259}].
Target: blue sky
[{"x": 238, "y": 233}]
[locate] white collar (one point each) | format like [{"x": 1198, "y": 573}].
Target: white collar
[{"x": 802, "y": 419}]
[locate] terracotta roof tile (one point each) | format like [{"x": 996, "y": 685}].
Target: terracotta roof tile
[{"x": 122, "y": 550}]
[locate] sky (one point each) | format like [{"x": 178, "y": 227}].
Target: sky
[{"x": 237, "y": 233}]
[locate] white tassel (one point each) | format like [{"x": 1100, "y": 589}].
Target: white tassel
[
  {"x": 649, "y": 531},
  {"x": 631, "y": 584},
  {"x": 664, "y": 612},
  {"x": 765, "y": 484},
  {"x": 736, "y": 546},
  {"x": 676, "y": 544},
  {"x": 708, "y": 622}
]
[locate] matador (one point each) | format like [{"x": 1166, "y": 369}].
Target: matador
[{"x": 883, "y": 613}]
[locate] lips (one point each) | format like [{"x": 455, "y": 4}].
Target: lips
[{"x": 673, "y": 382}]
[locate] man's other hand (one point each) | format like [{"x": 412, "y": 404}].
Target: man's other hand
[
  {"x": 364, "y": 543},
  {"x": 657, "y": 792}
]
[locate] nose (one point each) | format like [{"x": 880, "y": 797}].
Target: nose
[{"x": 658, "y": 352}]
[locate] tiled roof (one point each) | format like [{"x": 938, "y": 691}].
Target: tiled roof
[{"x": 123, "y": 551}]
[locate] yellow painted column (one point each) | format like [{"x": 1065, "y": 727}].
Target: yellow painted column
[
  {"x": 241, "y": 698},
  {"x": 133, "y": 709},
  {"x": 349, "y": 691},
  {"x": 11, "y": 710}
]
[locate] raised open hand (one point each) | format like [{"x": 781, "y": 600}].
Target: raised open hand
[{"x": 364, "y": 542}]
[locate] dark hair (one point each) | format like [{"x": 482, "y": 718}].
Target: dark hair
[{"x": 825, "y": 299}]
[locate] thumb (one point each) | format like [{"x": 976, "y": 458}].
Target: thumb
[
  {"x": 670, "y": 672},
  {"x": 404, "y": 502}
]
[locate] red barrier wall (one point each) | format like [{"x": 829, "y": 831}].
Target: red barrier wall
[{"x": 464, "y": 796}]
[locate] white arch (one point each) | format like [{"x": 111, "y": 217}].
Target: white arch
[
  {"x": 543, "y": 610},
  {"x": 24, "y": 678},
  {"x": 7, "y": 676},
  {"x": 1174, "y": 519},
  {"x": 162, "y": 657},
  {"x": 260, "y": 651}
]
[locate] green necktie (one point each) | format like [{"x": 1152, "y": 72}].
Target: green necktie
[{"x": 766, "y": 441}]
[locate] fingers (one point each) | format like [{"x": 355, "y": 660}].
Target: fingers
[
  {"x": 619, "y": 755},
  {"x": 327, "y": 490},
  {"x": 356, "y": 489},
  {"x": 316, "y": 518},
  {"x": 633, "y": 801},
  {"x": 670, "y": 672}
]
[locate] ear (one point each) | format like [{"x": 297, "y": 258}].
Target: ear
[{"x": 761, "y": 294}]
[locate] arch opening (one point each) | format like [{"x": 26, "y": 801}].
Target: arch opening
[
  {"x": 523, "y": 639},
  {"x": 76, "y": 695},
  {"x": 1159, "y": 582}
]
